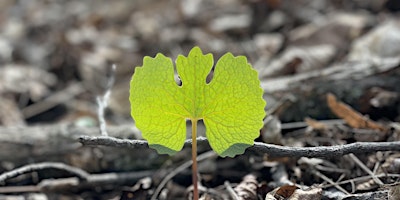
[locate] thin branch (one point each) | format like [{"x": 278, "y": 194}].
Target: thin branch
[
  {"x": 94, "y": 180},
  {"x": 102, "y": 101},
  {"x": 81, "y": 174},
  {"x": 50, "y": 141},
  {"x": 362, "y": 178},
  {"x": 112, "y": 142},
  {"x": 270, "y": 149},
  {"x": 19, "y": 189},
  {"x": 231, "y": 191},
  {"x": 325, "y": 178},
  {"x": 65, "y": 185},
  {"x": 56, "y": 98},
  {"x": 366, "y": 169}
]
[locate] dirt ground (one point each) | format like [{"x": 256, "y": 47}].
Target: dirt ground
[{"x": 330, "y": 71}]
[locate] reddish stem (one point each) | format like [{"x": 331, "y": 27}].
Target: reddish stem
[{"x": 194, "y": 160}]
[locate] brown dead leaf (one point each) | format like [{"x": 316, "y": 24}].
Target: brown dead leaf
[
  {"x": 315, "y": 124},
  {"x": 352, "y": 117},
  {"x": 285, "y": 191},
  {"x": 290, "y": 192}
]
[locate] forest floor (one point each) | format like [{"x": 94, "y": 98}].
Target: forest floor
[{"x": 329, "y": 70}]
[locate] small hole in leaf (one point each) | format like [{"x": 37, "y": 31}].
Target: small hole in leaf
[
  {"x": 177, "y": 79},
  {"x": 210, "y": 76}
]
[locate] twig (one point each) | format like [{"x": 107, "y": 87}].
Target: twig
[
  {"x": 366, "y": 169},
  {"x": 337, "y": 186},
  {"x": 380, "y": 194},
  {"x": 51, "y": 140},
  {"x": 330, "y": 169},
  {"x": 81, "y": 174},
  {"x": 112, "y": 142},
  {"x": 231, "y": 191},
  {"x": 179, "y": 169},
  {"x": 53, "y": 100},
  {"x": 362, "y": 178},
  {"x": 94, "y": 180},
  {"x": 73, "y": 184},
  {"x": 19, "y": 189},
  {"x": 102, "y": 101},
  {"x": 298, "y": 125},
  {"x": 271, "y": 149}
]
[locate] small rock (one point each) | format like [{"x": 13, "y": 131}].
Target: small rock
[
  {"x": 230, "y": 22},
  {"x": 380, "y": 43}
]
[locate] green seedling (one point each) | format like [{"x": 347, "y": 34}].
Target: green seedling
[{"x": 230, "y": 105}]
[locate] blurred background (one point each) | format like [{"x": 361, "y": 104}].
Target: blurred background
[
  {"x": 50, "y": 47},
  {"x": 56, "y": 58}
]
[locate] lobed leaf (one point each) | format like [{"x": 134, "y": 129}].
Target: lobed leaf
[{"x": 231, "y": 105}]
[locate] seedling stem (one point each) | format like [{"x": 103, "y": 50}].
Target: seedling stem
[{"x": 194, "y": 159}]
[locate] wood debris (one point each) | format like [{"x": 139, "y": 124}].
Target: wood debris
[{"x": 352, "y": 117}]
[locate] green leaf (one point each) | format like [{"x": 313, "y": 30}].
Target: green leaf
[{"x": 231, "y": 105}]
